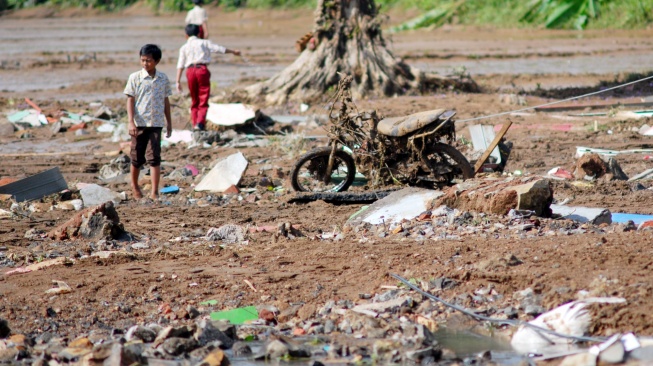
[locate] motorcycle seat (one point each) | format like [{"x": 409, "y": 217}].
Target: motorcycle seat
[{"x": 401, "y": 126}]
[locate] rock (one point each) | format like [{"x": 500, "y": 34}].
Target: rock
[
  {"x": 192, "y": 312},
  {"x": 425, "y": 336},
  {"x": 177, "y": 346},
  {"x": 206, "y": 332},
  {"x": 132, "y": 354},
  {"x": 590, "y": 165},
  {"x": 382, "y": 307},
  {"x": 329, "y": 326},
  {"x": 93, "y": 195},
  {"x": 4, "y": 328},
  {"x": 307, "y": 311},
  {"x": 419, "y": 354},
  {"x": 499, "y": 196},
  {"x": 215, "y": 358},
  {"x": 145, "y": 334},
  {"x": 276, "y": 349},
  {"x": 227, "y": 234},
  {"x": 615, "y": 170},
  {"x": 241, "y": 349},
  {"x": 96, "y": 222},
  {"x": 534, "y": 309},
  {"x": 443, "y": 283}
]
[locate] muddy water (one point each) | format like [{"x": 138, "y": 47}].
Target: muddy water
[{"x": 109, "y": 44}]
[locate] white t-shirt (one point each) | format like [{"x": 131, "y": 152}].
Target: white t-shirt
[{"x": 197, "y": 16}]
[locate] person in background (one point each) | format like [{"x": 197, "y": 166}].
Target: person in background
[
  {"x": 197, "y": 16},
  {"x": 195, "y": 56},
  {"x": 148, "y": 111}
]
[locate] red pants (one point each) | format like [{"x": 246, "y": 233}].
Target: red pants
[{"x": 199, "y": 85}]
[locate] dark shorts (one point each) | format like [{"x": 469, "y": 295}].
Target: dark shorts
[{"x": 146, "y": 146}]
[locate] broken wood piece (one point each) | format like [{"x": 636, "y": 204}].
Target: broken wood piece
[{"x": 493, "y": 144}]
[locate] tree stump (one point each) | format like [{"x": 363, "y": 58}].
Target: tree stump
[{"x": 347, "y": 40}]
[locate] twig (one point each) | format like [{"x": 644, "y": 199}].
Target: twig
[{"x": 250, "y": 285}]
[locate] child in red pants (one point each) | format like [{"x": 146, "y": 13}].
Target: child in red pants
[{"x": 195, "y": 56}]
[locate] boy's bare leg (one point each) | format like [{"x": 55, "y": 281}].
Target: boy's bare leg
[
  {"x": 136, "y": 190},
  {"x": 155, "y": 173}
]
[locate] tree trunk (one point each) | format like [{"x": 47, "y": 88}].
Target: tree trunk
[{"x": 347, "y": 40}]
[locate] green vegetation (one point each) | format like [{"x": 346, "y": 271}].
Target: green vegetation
[{"x": 558, "y": 14}]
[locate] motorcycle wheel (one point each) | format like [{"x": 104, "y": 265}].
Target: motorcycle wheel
[
  {"x": 307, "y": 174},
  {"x": 447, "y": 165}
]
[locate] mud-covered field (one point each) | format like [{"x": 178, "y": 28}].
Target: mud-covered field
[{"x": 68, "y": 62}]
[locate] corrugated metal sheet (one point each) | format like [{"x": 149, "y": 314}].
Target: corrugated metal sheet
[{"x": 36, "y": 186}]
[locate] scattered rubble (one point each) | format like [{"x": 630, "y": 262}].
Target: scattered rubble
[{"x": 95, "y": 222}]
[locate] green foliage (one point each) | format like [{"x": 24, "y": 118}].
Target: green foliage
[
  {"x": 559, "y": 13},
  {"x": 434, "y": 17}
]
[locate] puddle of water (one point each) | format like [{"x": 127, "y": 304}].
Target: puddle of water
[
  {"x": 463, "y": 343},
  {"x": 467, "y": 344},
  {"x": 58, "y": 145}
]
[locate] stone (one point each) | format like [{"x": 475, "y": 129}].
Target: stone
[
  {"x": 176, "y": 346},
  {"x": 96, "y": 222},
  {"x": 382, "y": 307},
  {"x": 329, "y": 326},
  {"x": 215, "y": 358},
  {"x": 93, "y": 195},
  {"x": 499, "y": 196},
  {"x": 145, "y": 334},
  {"x": 419, "y": 354},
  {"x": 241, "y": 349},
  {"x": 192, "y": 312},
  {"x": 590, "y": 165},
  {"x": 206, "y": 332},
  {"x": 4, "y": 328},
  {"x": 224, "y": 174},
  {"x": 615, "y": 170},
  {"x": 228, "y": 234},
  {"x": 276, "y": 349}
]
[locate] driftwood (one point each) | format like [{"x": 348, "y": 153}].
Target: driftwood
[{"x": 347, "y": 39}]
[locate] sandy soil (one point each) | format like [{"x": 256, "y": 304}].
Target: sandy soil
[{"x": 116, "y": 292}]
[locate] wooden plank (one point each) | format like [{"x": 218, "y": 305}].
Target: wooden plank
[{"x": 494, "y": 144}]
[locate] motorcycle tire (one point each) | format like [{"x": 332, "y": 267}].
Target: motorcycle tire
[
  {"x": 461, "y": 169},
  {"x": 307, "y": 175}
]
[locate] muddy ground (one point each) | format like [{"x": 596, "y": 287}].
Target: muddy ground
[{"x": 67, "y": 62}]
